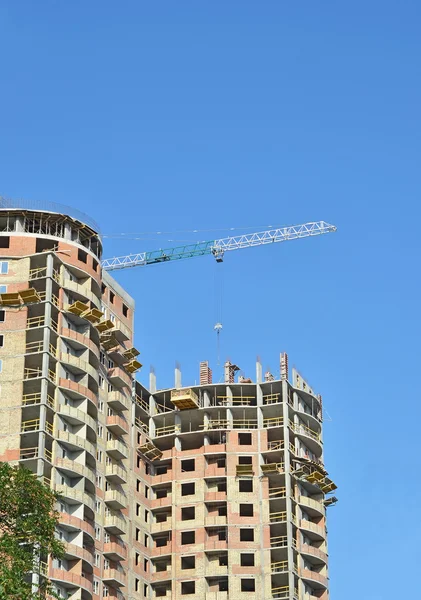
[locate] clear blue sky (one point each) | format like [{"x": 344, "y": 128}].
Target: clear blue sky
[{"x": 180, "y": 115}]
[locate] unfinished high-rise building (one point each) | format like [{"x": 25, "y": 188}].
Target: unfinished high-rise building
[{"x": 214, "y": 491}]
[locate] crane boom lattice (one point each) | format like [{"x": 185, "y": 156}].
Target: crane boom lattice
[{"x": 217, "y": 248}]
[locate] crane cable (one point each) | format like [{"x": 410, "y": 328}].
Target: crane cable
[{"x": 218, "y": 291}]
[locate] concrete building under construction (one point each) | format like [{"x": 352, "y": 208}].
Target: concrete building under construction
[{"x": 215, "y": 491}]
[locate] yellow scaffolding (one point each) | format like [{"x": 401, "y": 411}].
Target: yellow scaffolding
[{"x": 185, "y": 399}]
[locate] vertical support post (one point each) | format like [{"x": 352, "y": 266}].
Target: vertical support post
[{"x": 177, "y": 383}]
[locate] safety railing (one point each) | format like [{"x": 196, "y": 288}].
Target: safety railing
[
  {"x": 215, "y": 424},
  {"x": 244, "y": 424},
  {"x": 299, "y": 428},
  {"x": 29, "y": 399},
  {"x": 167, "y": 430},
  {"x": 279, "y": 541},
  {"x": 35, "y": 322},
  {"x": 273, "y": 422},
  {"x": 277, "y": 492},
  {"x": 142, "y": 426},
  {"x": 54, "y": 298},
  {"x": 34, "y": 425},
  {"x": 278, "y": 517},
  {"x": 37, "y": 273},
  {"x": 236, "y": 400},
  {"x": 271, "y": 398},
  {"x": 283, "y": 593},
  {"x": 279, "y": 567},
  {"x": 142, "y": 403}
]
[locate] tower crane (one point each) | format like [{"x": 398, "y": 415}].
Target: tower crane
[{"x": 217, "y": 248}]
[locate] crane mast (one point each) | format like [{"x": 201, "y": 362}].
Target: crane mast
[{"x": 217, "y": 248}]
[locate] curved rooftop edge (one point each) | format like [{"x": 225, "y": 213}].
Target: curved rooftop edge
[{"x": 53, "y": 207}]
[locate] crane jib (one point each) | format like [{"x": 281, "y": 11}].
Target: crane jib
[{"x": 217, "y": 248}]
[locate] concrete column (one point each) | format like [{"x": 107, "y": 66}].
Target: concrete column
[
  {"x": 152, "y": 382},
  {"x": 19, "y": 224},
  {"x": 259, "y": 398},
  {"x": 258, "y": 371},
  {"x": 289, "y": 487},
  {"x": 177, "y": 382},
  {"x": 67, "y": 232}
]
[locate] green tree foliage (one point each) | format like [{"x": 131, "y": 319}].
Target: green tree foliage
[{"x": 27, "y": 525}]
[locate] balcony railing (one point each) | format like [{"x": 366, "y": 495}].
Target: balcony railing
[
  {"x": 34, "y": 425},
  {"x": 273, "y": 422},
  {"x": 277, "y": 492},
  {"x": 142, "y": 403},
  {"x": 215, "y": 424},
  {"x": 299, "y": 428},
  {"x": 272, "y": 399},
  {"x": 167, "y": 430},
  {"x": 29, "y": 399},
  {"x": 236, "y": 400},
  {"x": 36, "y": 373},
  {"x": 283, "y": 593},
  {"x": 244, "y": 424},
  {"x": 30, "y": 453}
]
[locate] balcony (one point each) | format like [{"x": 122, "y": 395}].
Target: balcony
[
  {"x": 75, "y": 442},
  {"x": 213, "y": 521},
  {"x": 119, "y": 378},
  {"x": 82, "y": 366},
  {"x": 115, "y": 524},
  {"x": 121, "y": 331},
  {"x": 115, "y": 474},
  {"x": 77, "y": 496},
  {"x": 71, "y": 467},
  {"x": 318, "y": 531},
  {"x": 118, "y": 401},
  {"x": 75, "y": 524},
  {"x": 315, "y": 578},
  {"x": 117, "y": 449},
  {"x": 115, "y": 552},
  {"x": 160, "y": 550},
  {"x": 115, "y": 499},
  {"x": 114, "y": 577},
  {"x": 117, "y": 425},
  {"x": 72, "y": 552},
  {"x": 81, "y": 289},
  {"x": 76, "y": 416},
  {"x": 162, "y": 526},
  {"x": 313, "y": 552},
  {"x": 314, "y": 505},
  {"x": 80, "y": 391},
  {"x": 62, "y": 576},
  {"x": 301, "y": 429},
  {"x": 81, "y": 338}
]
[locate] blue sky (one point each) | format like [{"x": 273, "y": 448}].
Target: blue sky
[{"x": 175, "y": 116}]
